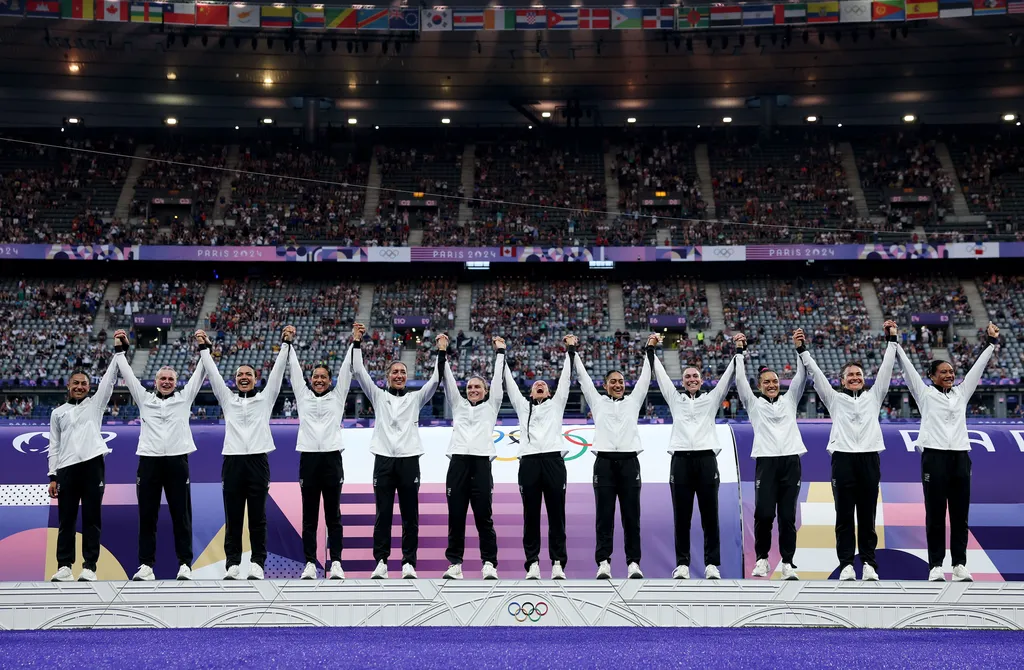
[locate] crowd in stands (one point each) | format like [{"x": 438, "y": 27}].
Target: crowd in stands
[
  {"x": 900, "y": 297},
  {"x": 661, "y": 163},
  {"x": 642, "y": 299},
  {"x": 16, "y": 407},
  {"x": 531, "y": 309},
  {"x": 899, "y": 160},
  {"x": 433, "y": 297},
  {"x": 190, "y": 169},
  {"x": 179, "y": 298}
]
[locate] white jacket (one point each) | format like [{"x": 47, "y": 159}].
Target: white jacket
[
  {"x": 774, "y": 421},
  {"x": 397, "y": 415},
  {"x": 75, "y": 426},
  {"x": 320, "y": 415},
  {"x": 615, "y": 421},
  {"x": 247, "y": 416},
  {"x": 473, "y": 425},
  {"x": 693, "y": 417},
  {"x": 540, "y": 424},
  {"x": 855, "y": 427},
  {"x": 165, "y": 421},
  {"x": 944, "y": 415}
]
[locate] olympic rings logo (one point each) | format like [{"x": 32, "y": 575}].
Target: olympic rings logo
[
  {"x": 571, "y": 435},
  {"x": 527, "y": 611}
]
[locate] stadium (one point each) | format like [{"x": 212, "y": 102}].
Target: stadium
[{"x": 353, "y": 325}]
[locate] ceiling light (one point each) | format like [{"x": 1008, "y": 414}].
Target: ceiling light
[
  {"x": 236, "y": 127},
  {"x": 1018, "y": 123},
  {"x": 73, "y": 120},
  {"x": 727, "y": 119},
  {"x": 267, "y": 121},
  {"x": 909, "y": 118},
  {"x": 171, "y": 121},
  {"x": 172, "y": 76},
  {"x": 267, "y": 81},
  {"x": 698, "y": 125},
  {"x": 839, "y": 125},
  {"x": 631, "y": 119},
  {"x": 1009, "y": 117},
  {"x": 812, "y": 119},
  {"x": 74, "y": 68},
  {"x": 352, "y": 121},
  {"x": 546, "y": 115},
  {"x": 529, "y": 127},
  {"x": 446, "y": 121},
  {"x": 376, "y": 127}
]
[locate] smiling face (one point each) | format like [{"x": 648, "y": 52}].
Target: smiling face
[
  {"x": 320, "y": 381},
  {"x": 397, "y": 376},
  {"x": 768, "y": 384},
  {"x": 78, "y": 386},
  {"x": 615, "y": 384},
  {"x": 943, "y": 376},
  {"x": 166, "y": 380},
  {"x": 245, "y": 378},
  {"x": 539, "y": 391},
  {"x": 476, "y": 389},
  {"x": 852, "y": 377},
  {"x": 692, "y": 380}
]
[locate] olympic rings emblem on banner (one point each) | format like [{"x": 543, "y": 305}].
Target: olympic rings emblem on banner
[
  {"x": 527, "y": 611},
  {"x": 572, "y": 436}
]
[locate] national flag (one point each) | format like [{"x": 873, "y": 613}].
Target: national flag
[
  {"x": 823, "y": 12},
  {"x": 180, "y": 14},
  {"x": 211, "y": 15},
  {"x": 468, "y": 19},
  {"x": 989, "y": 7},
  {"x": 508, "y": 251},
  {"x": 404, "y": 19},
  {"x": 794, "y": 12},
  {"x": 308, "y": 17},
  {"x": 11, "y": 8},
  {"x": 436, "y": 19},
  {"x": 1015, "y": 7},
  {"x": 855, "y": 11},
  {"x": 916, "y": 11},
  {"x": 628, "y": 18},
  {"x": 758, "y": 15},
  {"x": 499, "y": 19},
  {"x": 275, "y": 16},
  {"x": 659, "y": 18},
  {"x": 563, "y": 19},
  {"x": 722, "y": 17},
  {"x": 147, "y": 12},
  {"x": 83, "y": 10},
  {"x": 372, "y": 19},
  {"x": 113, "y": 10},
  {"x": 531, "y": 19},
  {"x": 888, "y": 10},
  {"x": 694, "y": 18},
  {"x": 952, "y": 9},
  {"x": 595, "y": 19},
  {"x": 339, "y": 18},
  {"x": 241, "y": 15},
  {"x": 42, "y": 9}
]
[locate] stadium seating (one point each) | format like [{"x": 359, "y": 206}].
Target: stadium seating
[
  {"x": 989, "y": 165},
  {"x": 900, "y": 297},
  {"x": 431, "y": 297},
  {"x": 180, "y": 298},
  {"x": 644, "y": 298},
  {"x": 170, "y": 168}
]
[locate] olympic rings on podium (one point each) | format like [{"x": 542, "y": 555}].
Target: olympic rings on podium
[{"x": 527, "y": 610}]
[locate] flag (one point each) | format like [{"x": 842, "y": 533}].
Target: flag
[
  {"x": 531, "y": 19},
  {"x": 468, "y": 19},
  {"x": 340, "y": 18},
  {"x": 147, "y": 12},
  {"x": 11, "y": 8},
  {"x": 42, "y": 9},
  {"x": 758, "y": 15},
  {"x": 180, "y": 14},
  {"x": 627, "y": 18},
  {"x": 508, "y": 251},
  {"x": 84, "y": 10},
  {"x": 113, "y": 10},
  {"x": 1015, "y": 7},
  {"x": 595, "y": 19},
  {"x": 372, "y": 19},
  {"x": 855, "y": 11},
  {"x": 917, "y": 11},
  {"x": 659, "y": 18},
  {"x": 722, "y": 17},
  {"x": 951, "y": 9},
  {"x": 404, "y": 19},
  {"x": 211, "y": 15},
  {"x": 694, "y": 18},
  {"x": 823, "y": 12},
  {"x": 241, "y": 15},
  {"x": 791, "y": 13},
  {"x": 308, "y": 17},
  {"x": 989, "y": 7},
  {"x": 563, "y": 19},
  {"x": 436, "y": 19},
  {"x": 499, "y": 19},
  {"x": 888, "y": 10}
]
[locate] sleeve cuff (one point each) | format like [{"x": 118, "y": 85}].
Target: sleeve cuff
[
  {"x": 499, "y": 352},
  {"x": 571, "y": 349},
  {"x": 204, "y": 347},
  {"x": 284, "y": 341},
  {"x": 801, "y": 349},
  {"x": 442, "y": 356},
  {"x": 992, "y": 340},
  {"x": 741, "y": 350},
  {"x": 53, "y": 478},
  {"x": 892, "y": 338},
  {"x": 120, "y": 348},
  {"x": 650, "y": 354}
]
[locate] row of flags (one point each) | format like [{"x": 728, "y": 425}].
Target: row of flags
[{"x": 687, "y": 17}]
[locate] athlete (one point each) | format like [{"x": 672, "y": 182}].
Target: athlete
[
  {"x": 397, "y": 448},
  {"x": 319, "y": 443},
  {"x": 694, "y": 470},
  {"x": 76, "y": 469},
  {"x": 165, "y": 441},
  {"x": 855, "y": 444},
  {"x": 777, "y": 449},
  {"x": 542, "y": 474},
  {"x": 617, "y": 465},
  {"x": 247, "y": 441},
  {"x": 471, "y": 450},
  {"x": 945, "y": 455}
]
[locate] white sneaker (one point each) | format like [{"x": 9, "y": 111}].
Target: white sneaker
[
  {"x": 936, "y": 575},
  {"x": 453, "y": 572},
  {"x": 234, "y": 572},
  {"x": 489, "y": 571},
  {"x": 633, "y": 571},
  {"x": 309, "y": 572},
  {"x": 761, "y": 568},
  {"x": 145, "y": 574},
  {"x": 711, "y": 572},
  {"x": 408, "y": 572},
  {"x": 381, "y": 571},
  {"x": 556, "y": 570},
  {"x": 63, "y": 575},
  {"x": 87, "y": 575},
  {"x": 534, "y": 571},
  {"x": 184, "y": 573},
  {"x": 870, "y": 574},
  {"x": 336, "y": 571},
  {"x": 681, "y": 572},
  {"x": 848, "y": 574},
  {"x": 256, "y": 572},
  {"x": 789, "y": 572},
  {"x": 604, "y": 570},
  {"x": 960, "y": 574}
]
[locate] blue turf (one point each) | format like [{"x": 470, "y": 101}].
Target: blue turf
[{"x": 531, "y": 648}]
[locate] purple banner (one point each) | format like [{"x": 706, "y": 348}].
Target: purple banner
[
  {"x": 667, "y": 321},
  {"x": 411, "y": 322},
  {"x": 152, "y": 320},
  {"x": 929, "y": 319}
]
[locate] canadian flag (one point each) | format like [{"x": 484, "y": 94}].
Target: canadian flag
[
  {"x": 508, "y": 251},
  {"x": 114, "y": 10}
]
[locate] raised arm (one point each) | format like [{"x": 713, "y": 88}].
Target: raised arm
[
  {"x": 363, "y": 378},
  {"x": 497, "y": 391},
  {"x": 295, "y": 375},
  {"x": 884, "y": 376},
  {"x": 220, "y": 389},
  {"x": 276, "y": 378},
  {"x": 451, "y": 387},
  {"x": 515, "y": 396},
  {"x": 910, "y": 375},
  {"x": 586, "y": 383},
  {"x": 565, "y": 379},
  {"x": 722, "y": 387},
  {"x": 440, "y": 361},
  {"x": 796, "y": 386},
  {"x": 742, "y": 383},
  {"x": 135, "y": 388},
  {"x": 665, "y": 385},
  {"x": 643, "y": 382},
  {"x": 973, "y": 376},
  {"x": 822, "y": 384},
  {"x": 106, "y": 387},
  {"x": 195, "y": 382},
  {"x": 345, "y": 374}
]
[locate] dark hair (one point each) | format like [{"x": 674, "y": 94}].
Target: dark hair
[
  {"x": 611, "y": 372},
  {"x": 764, "y": 369},
  {"x": 397, "y": 362},
  {"x": 933, "y": 366},
  {"x": 79, "y": 371},
  {"x": 245, "y": 365},
  {"x": 323, "y": 365},
  {"x": 851, "y": 364}
]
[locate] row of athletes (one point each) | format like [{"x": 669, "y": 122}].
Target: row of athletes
[{"x": 77, "y": 451}]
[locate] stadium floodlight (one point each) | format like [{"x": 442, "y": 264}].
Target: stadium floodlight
[
  {"x": 602, "y": 265},
  {"x": 909, "y": 118},
  {"x": 236, "y": 127},
  {"x": 1009, "y": 117},
  {"x": 352, "y": 121},
  {"x": 726, "y": 119},
  {"x": 631, "y": 119},
  {"x": 74, "y": 120},
  {"x": 446, "y": 120},
  {"x": 545, "y": 115},
  {"x": 171, "y": 121},
  {"x": 74, "y": 68},
  {"x": 839, "y": 125},
  {"x": 171, "y": 76},
  {"x": 267, "y": 121},
  {"x": 268, "y": 80},
  {"x": 478, "y": 265},
  {"x": 376, "y": 127},
  {"x": 812, "y": 119}
]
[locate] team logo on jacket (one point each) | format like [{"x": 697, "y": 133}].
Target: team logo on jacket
[{"x": 39, "y": 442}]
